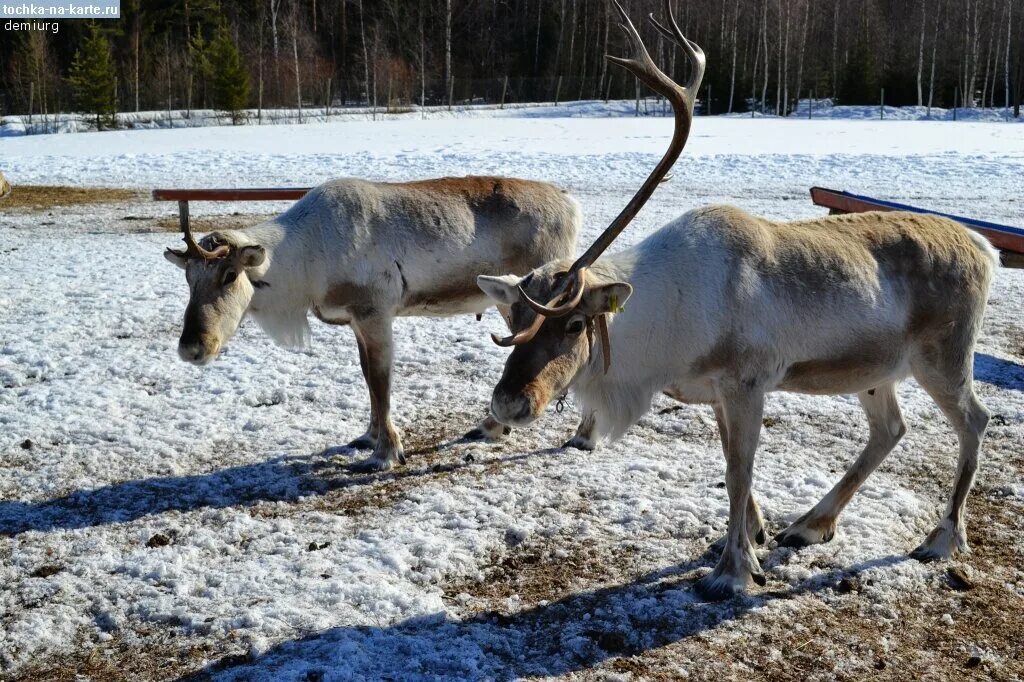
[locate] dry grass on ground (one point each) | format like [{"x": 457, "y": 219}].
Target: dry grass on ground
[
  {"x": 31, "y": 198},
  {"x": 203, "y": 224}
]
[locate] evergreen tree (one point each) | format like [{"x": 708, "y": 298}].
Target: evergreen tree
[
  {"x": 230, "y": 80},
  {"x": 93, "y": 78},
  {"x": 860, "y": 81}
]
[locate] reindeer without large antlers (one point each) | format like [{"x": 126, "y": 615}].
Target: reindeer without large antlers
[
  {"x": 362, "y": 253},
  {"x": 728, "y": 307}
]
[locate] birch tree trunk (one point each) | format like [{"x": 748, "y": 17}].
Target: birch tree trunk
[
  {"x": 583, "y": 53},
  {"x": 920, "y": 56},
  {"x": 764, "y": 40},
  {"x": 800, "y": 54},
  {"x": 785, "y": 68},
  {"x": 572, "y": 39},
  {"x": 536, "y": 44},
  {"x": 295, "y": 56},
  {"x": 423, "y": 60},
  {"x": 1006, "y": 63},
  {"x": 447, "y": 45},
  {"x": 366, "y": 59},
  {"x": 732, "y": 77},
  {"x": 988, "y": 60},
  {"x": 137, "y": 48},
  {"x": 753, "y": 75},
  {"x": 604, "y": 50},
  {"x": 974, "y": 56},
  {"x": 935, "y": 43},
  {"x": 188, "y": 61},
  {"x": 835, "y": 51},
  {"x": 275, "y": 5}
]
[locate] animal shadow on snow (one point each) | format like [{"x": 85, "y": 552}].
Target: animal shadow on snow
[
  {"x": 573, "y": 634},
  {"x": 1003, "y": 374},
  {"x": 282, "y": 479}
]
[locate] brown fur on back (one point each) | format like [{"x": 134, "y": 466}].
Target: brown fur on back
[{"x": 937, "y": 261}]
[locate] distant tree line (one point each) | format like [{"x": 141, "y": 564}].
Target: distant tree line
[{"x": 762, "y": 54}]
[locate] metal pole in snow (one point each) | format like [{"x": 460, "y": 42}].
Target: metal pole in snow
[{"x": 881, "y": 107}]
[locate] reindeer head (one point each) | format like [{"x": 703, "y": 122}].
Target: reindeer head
[
  {"x": 549, "y": 351},
  {"x": 553, "y": 342},
  {"x": 220, "y": 290}
]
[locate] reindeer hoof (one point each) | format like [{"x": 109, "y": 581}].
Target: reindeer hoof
[
  {"x": 760, "y": 538},
  {"x": 925, "y": 555},
  {"x": 806, "y": 531},
  {"x": 943, "y": 543},
  {"x": 483, "y": 434},
  {"x": 361, "y": 443},
  {"x": 372, "y": 465},
  {"x": 792, "y": 540},
  {"x": 579, "y": 444},
  {"x": 716, "y": 588}
]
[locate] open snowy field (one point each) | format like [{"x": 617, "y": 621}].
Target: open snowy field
[{"x": 159, "y": 520}]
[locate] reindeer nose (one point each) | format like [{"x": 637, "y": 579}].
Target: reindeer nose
[
  {"x": 511, "y": 409},
  {"x": 191, "y": 352}
]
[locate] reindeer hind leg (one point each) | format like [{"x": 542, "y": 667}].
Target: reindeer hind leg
[
  {"x": 946, "y": 372},
  {"x": 886, "y": 429},
  {"x": 368, "y": 440},
  {"x": 376, "y": 335}
]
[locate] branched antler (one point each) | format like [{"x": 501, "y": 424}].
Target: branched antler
[{"x": 682, "y": 97}]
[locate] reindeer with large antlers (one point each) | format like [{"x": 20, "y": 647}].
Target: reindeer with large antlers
[
  {"x": 362, "y": 253},
  {"x": 725, "y": 307}
]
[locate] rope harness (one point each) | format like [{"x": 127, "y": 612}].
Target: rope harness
[{"x": 599, "y": 325}]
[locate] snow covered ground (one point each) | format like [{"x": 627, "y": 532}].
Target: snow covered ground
[
  {"x": 161, "y": 519},
  {"x": 650, "y": 106}
]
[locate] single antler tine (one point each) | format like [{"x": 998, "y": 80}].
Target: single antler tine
[
  {"x": 696, "y": 55},
  {"x": 621, "y": 61},
  {"x": 520, "y": 338},
  {"x": 622, "y": 12},
  {"x": 661, "y": 29}
]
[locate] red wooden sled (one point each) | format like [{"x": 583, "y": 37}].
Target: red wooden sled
[{"x": 1009, "y": 240}]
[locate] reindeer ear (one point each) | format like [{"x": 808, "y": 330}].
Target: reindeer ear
[
  {"x": 177, "y": 257},
  {"x": 252, "y": 256},
  {"x": 606, "y": 298},
  {"x": 502, "y": 290}
]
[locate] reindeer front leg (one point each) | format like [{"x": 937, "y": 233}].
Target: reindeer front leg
[
  {"x": 374, "y": 333},
  {"x": 742, "y": 408},
  {"x": 490, "y": 429},
  {"x": 584, "y": 438}
]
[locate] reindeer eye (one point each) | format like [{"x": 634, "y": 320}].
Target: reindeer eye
[
  {"x": 229, "y": 277},
  {"x": 575, "y": 327}
]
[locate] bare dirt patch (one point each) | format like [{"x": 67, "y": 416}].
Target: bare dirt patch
[
  {"x": 546, "y": 572},
  {"x": 33, "y": 198},
  {"x": 152, "y": 658},
  {"x": 210, "y": 223},
  {"x": 953, "y": 629}
]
